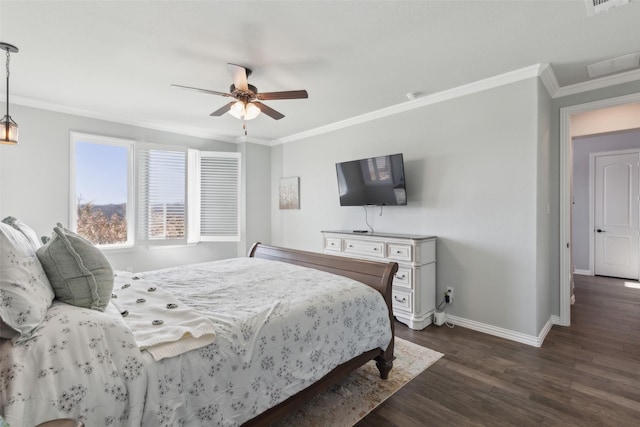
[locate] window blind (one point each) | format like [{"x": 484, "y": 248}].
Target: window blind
[
  {"x": 219, "y": 196},
  {"x": 161, "y": 189}
]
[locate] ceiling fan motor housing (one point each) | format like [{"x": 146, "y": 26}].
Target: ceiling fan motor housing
[{"x": 252, "y": 88}]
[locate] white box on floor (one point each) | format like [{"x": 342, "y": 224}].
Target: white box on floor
[{"x": 439, "y": 317}]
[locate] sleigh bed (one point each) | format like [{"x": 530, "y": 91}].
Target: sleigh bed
[{"x": 249, "y": 353}]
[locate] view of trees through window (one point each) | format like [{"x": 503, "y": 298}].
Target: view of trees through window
[
  {"x": 101, "y": 183},
  {"x": 103, "y": 224},
  {"x": 166, "y": 222}
]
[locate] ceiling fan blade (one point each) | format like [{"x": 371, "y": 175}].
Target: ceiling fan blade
[
  {"x": 210, "y": 92},
  {"x": 239, "y": 74},
  {"x": 289, "y": 94},
  {"x": 269, "y": 111},
  {"x": 222, "y": 110}
]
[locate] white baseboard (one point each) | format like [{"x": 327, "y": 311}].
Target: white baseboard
[
  {"x": 532, "y": 340},
  {"x": 582, "y": 272}
]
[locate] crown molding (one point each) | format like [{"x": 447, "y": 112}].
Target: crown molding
[
  {"x": 544, "y": 71},
  {"x": 249, "y": 139},
  {"x": 602, "y": 82},
  {"x": 180, "y": 130},
  {"x": 549, "y": 79},
  {"x": 460, "y": 91}
]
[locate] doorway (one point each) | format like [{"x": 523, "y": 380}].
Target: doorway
[
  {"x": 566, "y": 195},
  {"x": 615, "y": 236}
]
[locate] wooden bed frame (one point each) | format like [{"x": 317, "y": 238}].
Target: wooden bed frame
[{"x": 377, "y": 275}]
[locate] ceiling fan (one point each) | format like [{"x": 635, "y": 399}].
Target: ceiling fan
[{"x": 247, "y": 105}]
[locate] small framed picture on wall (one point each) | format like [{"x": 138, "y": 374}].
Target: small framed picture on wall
[{"x": 290, "y": 193}]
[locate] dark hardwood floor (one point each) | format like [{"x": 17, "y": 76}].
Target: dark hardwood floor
[{"x": 587, "y": 374}]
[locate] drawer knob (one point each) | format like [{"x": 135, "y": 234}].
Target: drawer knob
[
  {"x": 375, "y": 249},
  {"x": 404, "y": 299},
  {"x": 398, "y": 252},
  {"x": 400, "y": 277}
]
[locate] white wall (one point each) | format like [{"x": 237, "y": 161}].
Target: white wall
[
  {"x": 471, "y": 171},
  {"x": 34, "y": 180},
  {"x": 547, "y": 251},
  {"x": 257, "y": 173}
]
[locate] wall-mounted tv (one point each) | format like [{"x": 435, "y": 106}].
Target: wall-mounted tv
[{"x": 373, "y": 181}]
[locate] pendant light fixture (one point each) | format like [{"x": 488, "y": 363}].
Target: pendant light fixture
[{"x": 8, "y": 128}]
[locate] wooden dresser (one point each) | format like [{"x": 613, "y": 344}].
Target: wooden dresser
[{"x": 414, "y": 285}]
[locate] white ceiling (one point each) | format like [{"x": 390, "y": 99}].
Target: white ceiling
[{"x": 117, "y": 59}]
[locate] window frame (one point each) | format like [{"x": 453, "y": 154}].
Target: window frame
[
  {"x": 79, "y": 137},
  {"x": 195, "y": 180},
  {"x": 192, "y": 191}
]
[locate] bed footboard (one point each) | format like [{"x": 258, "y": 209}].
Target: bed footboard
[{"x": 378, "y": 275}]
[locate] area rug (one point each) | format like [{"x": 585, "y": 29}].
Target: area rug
[{"x": 345, "y": 403}]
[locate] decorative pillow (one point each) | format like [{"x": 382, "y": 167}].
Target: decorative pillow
[
  {"x": 25, "y": 292},
  {"x": 27, "y": 231},
  {"x": 79, "y": 272}
]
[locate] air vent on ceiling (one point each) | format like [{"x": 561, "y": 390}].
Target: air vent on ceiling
[{"x": 599, "y": 6}]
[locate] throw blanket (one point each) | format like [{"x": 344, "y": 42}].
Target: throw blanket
[{"x": 160, "y": 323}]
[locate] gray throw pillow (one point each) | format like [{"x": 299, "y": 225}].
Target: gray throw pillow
[{"x": 79, "y": 272}]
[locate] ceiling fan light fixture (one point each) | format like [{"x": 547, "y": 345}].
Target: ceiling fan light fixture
[
  {"x": 244, "y": 110},
  {"x": 251, "y": 111},
  {"x": 237, "y": 110}
]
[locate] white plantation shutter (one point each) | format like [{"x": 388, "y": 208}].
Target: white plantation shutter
[
  {"x": 216, "y": 191},
  {"x": 162, "y": 194}
]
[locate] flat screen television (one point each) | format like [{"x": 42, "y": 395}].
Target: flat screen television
[{"x": 374, "y": 181}]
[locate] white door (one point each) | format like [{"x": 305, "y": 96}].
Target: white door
[{"x": 616, "y": 215}]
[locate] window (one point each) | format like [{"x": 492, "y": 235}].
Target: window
[
  {"x": 162, "y": 194},
  {"x": 180, "y": 195},
  {"x": 101, "y": 205},
  {"x": 215, "y": 192}
]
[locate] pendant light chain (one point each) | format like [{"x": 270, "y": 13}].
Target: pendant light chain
[{"x": 8, "y": 59}]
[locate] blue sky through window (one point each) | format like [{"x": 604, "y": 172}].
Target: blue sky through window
[{"x": 101, "y": 173}]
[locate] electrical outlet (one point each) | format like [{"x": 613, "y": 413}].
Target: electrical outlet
[{"x": 450, "y": 294}]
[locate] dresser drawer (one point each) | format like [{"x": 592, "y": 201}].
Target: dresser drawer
[
  {"x": 363, "y": 247},
  {"x": 403, "y": 278},
  {"x": 333, "y": 244},
  {"x": 402, "y": 301},
  {"x": 399, "y": 252}
]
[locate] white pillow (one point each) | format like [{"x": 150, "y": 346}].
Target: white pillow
[
  {"x": 25, "y": 292},
  {"x": 27, "y": 231}
]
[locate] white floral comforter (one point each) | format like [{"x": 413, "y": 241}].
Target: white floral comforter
[
  {"x": 279, "y": 328},
  {"x": 81, "y": 363}
]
